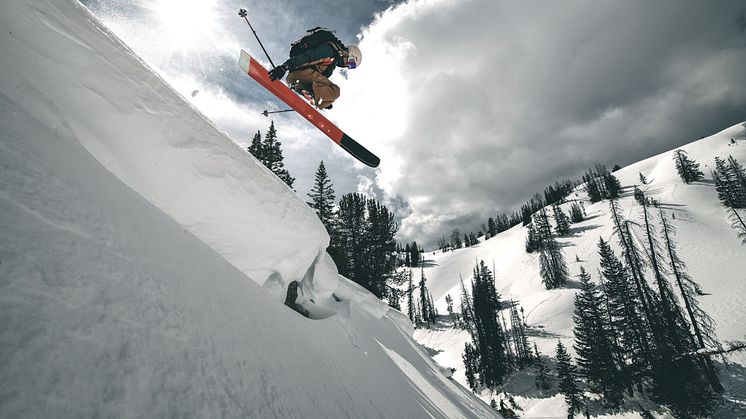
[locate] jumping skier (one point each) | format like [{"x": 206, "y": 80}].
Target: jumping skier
[{"x": 313, "y": 59}]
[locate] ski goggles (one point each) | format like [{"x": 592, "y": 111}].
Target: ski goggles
[{"x": 351, "y": 64}]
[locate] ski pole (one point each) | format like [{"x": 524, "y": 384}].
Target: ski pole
[
  {"x": 268, "y": 113},
  {"x": 243, "y": 14}
]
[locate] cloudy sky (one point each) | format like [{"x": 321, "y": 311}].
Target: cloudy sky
[{"x": 472, "y": 105}]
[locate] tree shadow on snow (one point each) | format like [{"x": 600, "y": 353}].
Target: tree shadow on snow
[
  {"x": 578, "y": 231},
  {"x": 428, "y": 263}
]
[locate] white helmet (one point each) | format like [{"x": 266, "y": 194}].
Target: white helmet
[{"x": 354, "y": 56}]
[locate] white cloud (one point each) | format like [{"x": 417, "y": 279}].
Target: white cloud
[{"x": 474, "y": 105}]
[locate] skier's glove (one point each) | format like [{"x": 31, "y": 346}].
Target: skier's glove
[{"x": 277, "y": 72}]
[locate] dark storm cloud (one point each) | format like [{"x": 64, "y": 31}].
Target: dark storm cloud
[{"x": 506, "y": 97}]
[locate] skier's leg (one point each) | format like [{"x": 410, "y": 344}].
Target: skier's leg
[
  {"x": 300, "y": 80},
  {"x": 324, "y": 91}
]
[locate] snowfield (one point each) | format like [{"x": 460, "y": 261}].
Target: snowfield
[
  {"x": 144, "y": 257},
  {"x": 705, "y": 240}
]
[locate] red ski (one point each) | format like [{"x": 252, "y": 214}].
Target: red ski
[{"x": 252, "y": 67}]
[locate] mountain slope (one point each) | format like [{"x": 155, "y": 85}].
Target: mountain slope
[
  {"x": 144, "y": 257},
  {"x": 706, "y": 243}
]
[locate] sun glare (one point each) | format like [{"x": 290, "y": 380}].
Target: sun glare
[{"x": 185, "y": 24}]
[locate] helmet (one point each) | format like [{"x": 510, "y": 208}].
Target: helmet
[{"x": 354, "y": 57}]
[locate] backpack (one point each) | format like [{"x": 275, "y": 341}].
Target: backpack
[{"x": 315, "y": 37}]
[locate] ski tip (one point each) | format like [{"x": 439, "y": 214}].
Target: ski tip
[
  {"x": 359, "y": 152},
  {"x": 244, "y": 61}
]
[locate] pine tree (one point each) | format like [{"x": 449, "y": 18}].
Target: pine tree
[
  {"x": 594, "y": 344},
  {"x": 456, "y": 239},
  {"x": 738, "y": 174},
  {"x": 491, "y": 227},
  {"x": 471, "y": 365},
  {"x": 702, "y": 324},
  {"x": 725, "y": 184},
  {"x": 687, "y": 168},
  {"x": 625, "y": 307},
  {"x": 554, "y": 272},
  {"x": 256, "y": 147},
  {"x": 567, "y": 378},
  {"x": 322, "y": 198},
  {"x": 524, "y": 356},
  {"x": 532, "y": 239},
  {"x": 467, "y": 310},
  {"x": 639, "y": 196},
  {"x": 366, "y": 230},
  {"x": 543, "y": 377},
  {"x": 410, "y": 297},
  {"x": 576, "y": 213},
  {"x": 739, "y": 224},
  {"x": 272, "y": 152},
  {"x": 562, "y": 222},
  {"x": 424, "y": 300},
  {"x": 449, "y": 308},
  {"x": 490, "y": 342}
]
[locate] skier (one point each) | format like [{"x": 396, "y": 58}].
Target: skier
[{"x": 313, "y": 59}]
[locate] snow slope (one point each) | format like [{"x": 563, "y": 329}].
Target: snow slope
[
  {"x": 705, "y": 240},
  {"x": 144, "y": 257}
]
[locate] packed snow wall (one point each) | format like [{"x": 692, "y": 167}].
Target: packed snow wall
[{"x": 142, "y": 131}]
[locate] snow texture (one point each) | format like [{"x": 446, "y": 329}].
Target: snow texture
[{"x": 144, "y": 257}]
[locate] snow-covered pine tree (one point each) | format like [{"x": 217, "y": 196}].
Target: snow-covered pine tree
[
  {"x": 256, "y": 147},
  {"x": 554, "y": 272},
  {"x": 628, "y": 321},
  {"x": 576, "y": 213},
  {"x": 594, "y": 343},
  {"x": 562, "y": 222},
  {"x": 272, "y": 152},
  {"x": 322, "y": 198},
  {"x": 687, "y": 168},
  {"x": 567, "y": 378}
]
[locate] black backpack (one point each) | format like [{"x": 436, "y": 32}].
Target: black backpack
[{"x": 315, "y": 37}]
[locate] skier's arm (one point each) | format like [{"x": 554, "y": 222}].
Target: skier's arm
[{"x": 316, "y": 54}]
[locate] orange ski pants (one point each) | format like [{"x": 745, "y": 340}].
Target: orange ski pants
[{"x": 324, "y": 91}]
